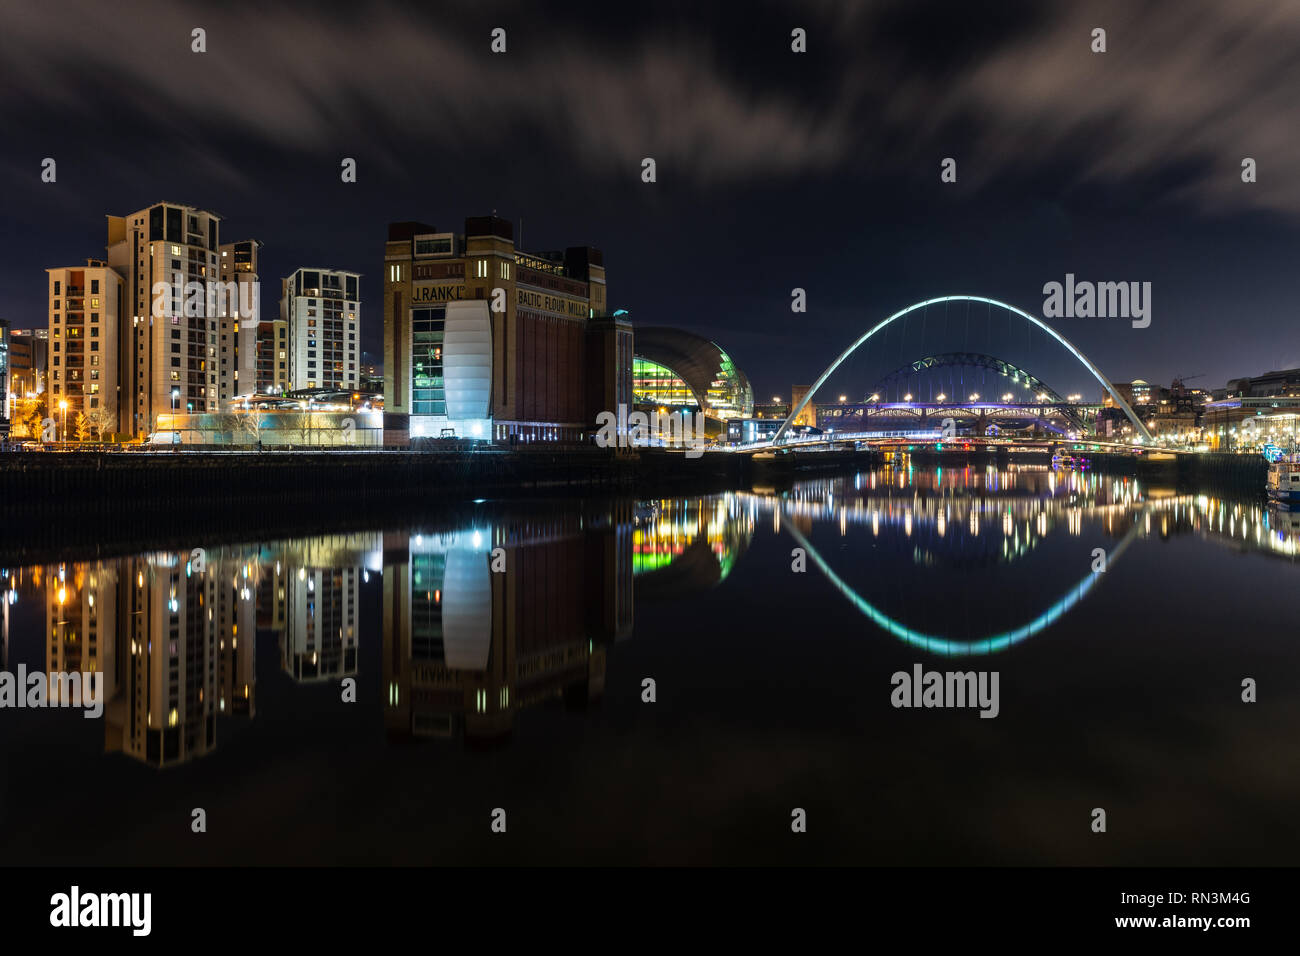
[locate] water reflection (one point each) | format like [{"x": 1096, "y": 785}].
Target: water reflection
[{"x": 513, "y": 606}]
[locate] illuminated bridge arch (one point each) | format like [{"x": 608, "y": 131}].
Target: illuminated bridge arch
[
  {"x": 971, "y": 360},
  {"x": 1016, "y": 376},
  {"x": 1033, "y": 320}
]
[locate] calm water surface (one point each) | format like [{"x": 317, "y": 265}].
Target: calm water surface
[{"x": 521, "y": 688}]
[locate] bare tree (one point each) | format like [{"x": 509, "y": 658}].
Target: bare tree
[
  {"x": 101, "y": 422},
  {"x": 252, "y": 423}
]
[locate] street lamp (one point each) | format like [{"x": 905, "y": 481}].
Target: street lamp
[
  {"x": 940, "y": 397},
  {"x": 974, "y": 396},
  {"x": 176, "y": 393},
  {"x": 907, "y": 397}
]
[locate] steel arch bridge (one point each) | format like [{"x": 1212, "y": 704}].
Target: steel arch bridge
[
  {"x": 1015, "y": 375},
  {"x": 1033, "y": 320}
]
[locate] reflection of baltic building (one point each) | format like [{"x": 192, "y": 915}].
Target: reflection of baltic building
[
  {"x": 465, "y": 648},
  {"x": 237, "y": 348},
  {"x": 483, "y": 340},
  {"x": 321, "y": 312},
  {"x": 682, "y": 371},
  {"x": 86, "y": 366}
]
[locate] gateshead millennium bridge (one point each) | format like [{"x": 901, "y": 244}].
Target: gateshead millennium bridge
[{"x": 1026, "y": 400}]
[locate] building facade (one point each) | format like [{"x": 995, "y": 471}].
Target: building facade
[
  {"x": 321, "y": 312},
  {"x": 169, "y": 336},
  {"x": 179, "y": 321},
  {"x": 239, "y": 320},
  {"x": 28, "y": 360},
  {"x": 85, "y": 376},
  {"x": 273, "y": 357},
  {"x": 483, "y": 340}
]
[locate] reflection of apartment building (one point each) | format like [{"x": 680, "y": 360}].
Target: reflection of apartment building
[
  {"x": 235, "y": 614},
  {"x": 466, "y": 648},
  {"x": 320, "y": 635},
  {"x": 81, "y": 624},
  {"x": 165, "y": 710}
]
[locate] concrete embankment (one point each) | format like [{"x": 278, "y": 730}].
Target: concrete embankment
[
  {"x": 87, "y": 497},
  {"x": 1242, "y": 475}
]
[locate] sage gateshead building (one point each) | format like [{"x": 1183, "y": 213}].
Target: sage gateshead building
[
  {"x": 485, "y": 341},
  {"x": 682, "y": 371}
]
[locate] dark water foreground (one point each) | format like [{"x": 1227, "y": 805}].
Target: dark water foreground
[{"x": 522, "y": 688}]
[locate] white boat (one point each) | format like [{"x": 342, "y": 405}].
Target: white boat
[{"x": 1284, "y": 481}]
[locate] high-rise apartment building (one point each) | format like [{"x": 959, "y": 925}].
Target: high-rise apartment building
[
  {"x": 322, "y": 311},
  {"x": 273, "y": 357},
  {"x": 239, "y": 321},
  {"x": 166, "y": 253},
  {"x": 86, "y": 364}
]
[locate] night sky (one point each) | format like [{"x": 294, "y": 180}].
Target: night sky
[{"x": 775, "y": 170}]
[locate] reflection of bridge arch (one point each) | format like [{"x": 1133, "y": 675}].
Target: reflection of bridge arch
[
  {"x": 948, "y": 647},
  {"x": 1083, "y": 359}
]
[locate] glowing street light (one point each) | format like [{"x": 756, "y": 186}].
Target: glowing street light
[
  {"x": 974, "y": 396},
  {"x": 941, "y": 396},
  {"x": 1006, "y": 397},
  {"x": 844, "y": 398},
  {"x": 875, "y": 397},
  {"x": 63, "y": 407}
]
